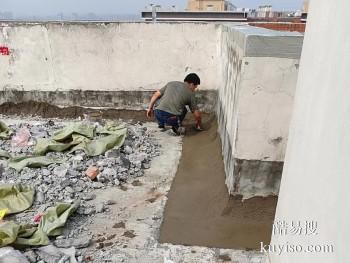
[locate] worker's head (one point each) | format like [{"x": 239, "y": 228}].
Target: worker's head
[{"x": 192, "y": 80}]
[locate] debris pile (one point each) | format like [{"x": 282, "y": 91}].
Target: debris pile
[{"x": 65, "y": 165}]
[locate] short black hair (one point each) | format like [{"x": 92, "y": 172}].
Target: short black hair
[{"x": 193, "y": 78}]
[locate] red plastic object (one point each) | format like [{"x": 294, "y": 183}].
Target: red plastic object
[
  {"x": 37, "y": 218},
  {"x": 4, "y": 51}
]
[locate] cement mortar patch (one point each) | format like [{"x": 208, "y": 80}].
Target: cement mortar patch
[{"x": 256, "y": 178}]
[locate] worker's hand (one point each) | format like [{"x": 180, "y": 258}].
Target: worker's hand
[
  {"x": 198, "y": 128},
  {"x": 149, "y": 113}
]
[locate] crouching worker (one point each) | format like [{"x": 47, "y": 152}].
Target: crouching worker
[{"x": 171, "y": 103}]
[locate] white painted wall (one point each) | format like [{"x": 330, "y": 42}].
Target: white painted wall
[
  {"x": 315, "y": 182},
  {"x": 114, "y": 56}
]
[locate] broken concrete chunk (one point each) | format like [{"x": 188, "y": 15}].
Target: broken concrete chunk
[
  {"x": 125, "y": 162},
  {"x": 77, "y": 242},
  {"x": 89, "y": 196},
  {"x": 92, "y": 172},
  {"x": 31, "y": 256},
  {"x": 8, "y": 254},
  {"x": 128, "y": 149},
  {"x": 114, "y": 153},
  {"x": 60, "y": 171},
  {"x": 99, "y": 208},
  {"x": 146, "y": 165},
  {"x": 50, "y": 254},
  {"x": 86, "y": 211},
  {"x": 97, "y": 185}
]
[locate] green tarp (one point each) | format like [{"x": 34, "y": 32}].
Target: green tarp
[
  {"x": 16, "y": 198},
  {"x": 55, "y": 218},
  {"x": 75, "y": 128},
  {"x": 101, "y": 145},
  {"x": 51, "y": 224},
  {"x": 5, "y": 132},
  {"x": 4, "y": 154},
  {"x": 19, "y": 163},
  {"x": 78, "y": 137}
]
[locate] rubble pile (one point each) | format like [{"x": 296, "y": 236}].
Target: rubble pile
[{"x": 75, "y": 177}]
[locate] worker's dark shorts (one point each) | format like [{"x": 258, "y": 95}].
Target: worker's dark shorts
[{"x": 166, "y": 118}]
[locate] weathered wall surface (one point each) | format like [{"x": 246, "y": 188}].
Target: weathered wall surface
[
  {"x": 255, "y": 105},
  {"x": 102, "y": 57},
  {"x": 253, "y": 72},
  {"x": 315, "y": 182}
]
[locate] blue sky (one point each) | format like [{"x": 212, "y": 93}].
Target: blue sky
[{"x": 51, "y": 7}]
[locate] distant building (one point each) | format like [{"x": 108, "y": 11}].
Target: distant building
[
  {"x": 305, "y": 10},
  {"x": 264, "y": 11},
  {"x": 6, "y": 15},
  {"x": 306, "y": 6},
  {"x": 198, "y": 16},
  {"x": 210, "y": 5},
  {"x": 198, "y": 10}
]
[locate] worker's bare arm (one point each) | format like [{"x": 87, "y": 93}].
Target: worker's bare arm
[
  {"x": 198, "y": 117},
  {"x": 154, "y": 98}
]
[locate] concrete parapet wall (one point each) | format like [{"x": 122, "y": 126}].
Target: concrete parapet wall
[
  {"x": 255, "y": 104},
  {"x": 249, "y": 74},
  {"x": 105, "y": 57}
]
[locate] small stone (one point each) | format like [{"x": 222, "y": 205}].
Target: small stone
[
  {"x": 99, "y": 208},
  {"x": 92, "y": 172},
  {"x": 49, "y": 254},
  {"x": 119, "y": 225},
  {"x": 109, "y": 173},
  {"x": 89, "y": 258},
  {"x": 60, "y": 171},
  {"x": 125, "y": 162},
  {"x": 107, "y": 244},
  {"x": 128, "y": 149},
  {"x": 77, "y": 242},
  {"x": 114, "y": 153},
  {"x": 111, "y": 236},
  {"x": 64, "y": 259},
  {"x": 78, "y": 189},
  {"x": 70, "y": 190},
  {"x": 26, "y": 176},
  {"x": 31, "y": 256},
  {"x": 136, "y": 183},
  {"x": 66, "y": 183},
  {"x": 100, "y": 239},
  {"x": 99, "y": 245},
  {"x": 45, "y": 172},
  {"x": 89, "y": 196},
  {"x": 40, "y": 197},
  {"x": 97, "y": 185},
  {"x": 86, "y": 211},
  {"x": 146, "y": 165},
  {"x": 110, "y": 202},
  {"x": 101, "y": 178},
  {"x": 129, "y": 234}
]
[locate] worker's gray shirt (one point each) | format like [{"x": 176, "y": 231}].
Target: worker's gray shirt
[{"x": 175, "y": 96}]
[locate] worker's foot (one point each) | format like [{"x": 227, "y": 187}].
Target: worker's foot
[
  {"x": 161, "y": 127},
  {"x": 178, "y": 130}
]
